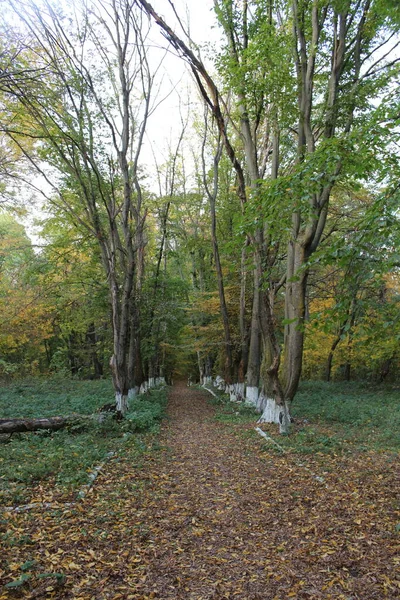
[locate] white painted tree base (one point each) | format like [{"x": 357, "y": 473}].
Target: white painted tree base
[
  {"x": 240, "y": 391},
  {"x": 121, "y": 403},
  {"x": 232, "y": 393},
  {"x": 144, "y": 387},
  {"x": 219, "y": 382},
  {"x": 207, "y": 380},
  {"x": 252, "y": 395},
  {"x": 271, "y": 412},
  {"x": 133, "y": 392},
  {"x": 276, "y": 413}
]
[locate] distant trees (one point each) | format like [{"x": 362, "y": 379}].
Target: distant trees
[
  {"x": 69, "y": 270},
  {"x": 25, "y": 313},
  {"x": 354, "y": 290}
]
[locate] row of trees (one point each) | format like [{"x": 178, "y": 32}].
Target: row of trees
[
  {"x": 55, "y": 314},
  {"x": 283, "y": 241},
  {"x": 302, "y": 109}
]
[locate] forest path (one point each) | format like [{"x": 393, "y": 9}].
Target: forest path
[{"x": 214, "y": 514}]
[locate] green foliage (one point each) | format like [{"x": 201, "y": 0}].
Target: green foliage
[
  {"x": 145, "y": 412},
  {"x": 333, "y": 417},
  {"x": 59, "y": 577},
  {"x": 63, "y": 458},
  {"x": 24, "y": 311},
  {"x": 17, "y": 583},
  {"x": 236, "y": 413},
  {"x": 53, "y": 396},
  {"x": 355, "y": 413},
  {"x": 163, "y": 316},
  {"x": 70, "y": 272},
  {"x": 28, "y": 565}
]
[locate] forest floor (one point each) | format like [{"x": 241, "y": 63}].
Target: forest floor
[{"x": 213, "y": 512}]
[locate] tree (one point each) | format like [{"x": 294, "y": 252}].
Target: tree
[
  {"x": 88, "y": 116},
  {"x": 212, "y": 193},
  {"x": 331, "y": 59}
]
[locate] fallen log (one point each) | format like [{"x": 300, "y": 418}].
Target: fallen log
[{"x": 53, "y": 423}]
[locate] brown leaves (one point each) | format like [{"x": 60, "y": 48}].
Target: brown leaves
[{"x": 214, "y": 515}]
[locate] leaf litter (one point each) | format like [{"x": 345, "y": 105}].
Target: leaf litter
[{"x": 214, "y": 514}]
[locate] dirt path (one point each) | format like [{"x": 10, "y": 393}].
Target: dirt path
[{"x": 214, "y": 515}]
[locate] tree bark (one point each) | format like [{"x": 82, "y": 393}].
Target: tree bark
[
  {"x": 328, "y": 368},
  {"x": 92, "y": 339},
  {"x": 254, "y": 359},
  {"x": 212, "y": 197},
  {"x": 244, "y": 337},
  {"x": 24, "y": 425}
]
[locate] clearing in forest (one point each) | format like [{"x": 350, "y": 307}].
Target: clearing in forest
[{"x": 213, "y": 512}]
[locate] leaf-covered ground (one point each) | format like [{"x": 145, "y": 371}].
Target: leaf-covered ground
[{"x": 215, "y": 514}]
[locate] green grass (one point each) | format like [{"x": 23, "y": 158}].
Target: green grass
[
  {"x": 228, "y": 412},
  {"x": 333, "y": 417},
  {"x": 236, "y": 413},
  {"x": 52, "y": 397},
  {"x": 354, "y": 413},
  {"x": 62, "y": 459}
]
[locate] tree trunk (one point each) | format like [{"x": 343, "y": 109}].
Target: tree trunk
[
  {"x": 347, "y": 371},
  {"x": 295, "y": 297},
  {"x": 92, "y": 339},
  {"x": 244, "y": 338},
  {"x": 135, "y": 367},
  {"x": 24, "y": 425},
  {"x": 328, "y": 368},
  {"x": 275, "y": 407},
  {"x": 135, "y": 371},
  {"x": 200, "y": 364},
  {"x": 254, "y": 361},
  {"x": 212, "y": 197},
  {"x": 228, "y": 360},
  {"x": 385, "y": 369},
  {"x": 208, "y": 365}
]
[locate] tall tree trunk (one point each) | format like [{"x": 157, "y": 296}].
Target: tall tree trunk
[
  {"x": 328, "y": 367},
  {"x": 135, "y": 370},
  {"x": 212, "y": 197},
  {"x": 295, "y": 303},
  {"x": 254, "y": 360},
  {"x": 244, "y": 337},
  {"x": 347, "y": 370}
]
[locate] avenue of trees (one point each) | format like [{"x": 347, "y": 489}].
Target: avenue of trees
[{"x": 262, "y": 247}]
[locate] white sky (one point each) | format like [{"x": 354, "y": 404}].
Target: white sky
[{"x": 164, "y": 126}]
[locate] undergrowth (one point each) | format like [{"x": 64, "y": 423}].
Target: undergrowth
[
  {"x": 349, "y": 414},
  {"x": 62, "y": 459},
  {"x": 332, "y": 417}
]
